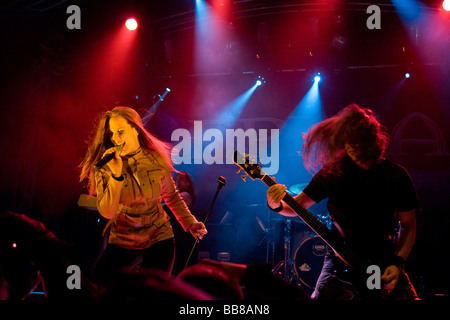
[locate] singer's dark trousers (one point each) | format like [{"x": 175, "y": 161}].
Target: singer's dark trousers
[{"x": 115, "y": 260}]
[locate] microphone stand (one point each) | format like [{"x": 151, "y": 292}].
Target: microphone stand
[{"x": 221, "y": 181}]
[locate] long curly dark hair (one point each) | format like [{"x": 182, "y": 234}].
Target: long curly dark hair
[{"x": 324, "y": 143}]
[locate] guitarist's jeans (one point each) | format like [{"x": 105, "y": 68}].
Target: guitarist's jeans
[{"x": 334, "y": 283}]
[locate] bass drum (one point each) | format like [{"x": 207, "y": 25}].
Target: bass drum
[{"x": 308, "y": 260}]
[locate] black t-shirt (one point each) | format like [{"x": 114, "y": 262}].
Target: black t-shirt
[{"x": 364, "y": 203}]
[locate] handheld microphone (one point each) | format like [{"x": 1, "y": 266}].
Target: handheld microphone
[{"x": 100, "y": 163}]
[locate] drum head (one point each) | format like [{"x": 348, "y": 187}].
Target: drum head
[{"x": 308, "y": 260}]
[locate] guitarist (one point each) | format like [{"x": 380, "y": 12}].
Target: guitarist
[{"x": 368, "y": 196}]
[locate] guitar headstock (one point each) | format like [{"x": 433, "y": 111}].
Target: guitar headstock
[{"x": 253, "y": 170}]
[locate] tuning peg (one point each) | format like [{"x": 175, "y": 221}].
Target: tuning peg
[{"x": 244, "y": 178}]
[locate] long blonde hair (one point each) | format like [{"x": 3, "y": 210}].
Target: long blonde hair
[{"x": 101, "y": 141}]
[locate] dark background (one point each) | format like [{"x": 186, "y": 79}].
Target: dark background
[{"x": 56, "y": 81}]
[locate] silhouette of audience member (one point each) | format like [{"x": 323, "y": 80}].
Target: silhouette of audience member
[
  {"x": 226, "y": 280},
  {"x": 30, "y": 253},
  {"x": 214, "y": 280},
  {"x": 152, "y": 284}
]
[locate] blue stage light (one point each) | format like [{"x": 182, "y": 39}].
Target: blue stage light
[
  {"x": 407, "y": 75},
  {"x": 317, "y": 77},
  {"x": 260, "y": 81}
]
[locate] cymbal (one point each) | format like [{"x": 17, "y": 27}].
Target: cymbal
[{"x": 297, "y": 188}]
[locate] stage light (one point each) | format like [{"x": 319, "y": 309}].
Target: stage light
[
  {"x": 131, "y": 24},
  {"x": 446, "y": 5},
  {"x": 260, "y": 81},
  {"x": 407, "y": 75},
  {"x": 317, "y": 77},
  {"x": 165, "y": 94}
]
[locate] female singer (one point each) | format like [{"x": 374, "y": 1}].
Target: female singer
[{"x": 130, "y": 189}]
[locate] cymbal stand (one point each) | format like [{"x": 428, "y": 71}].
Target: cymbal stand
[
  {"x": 268, "y": 236},
  {"x": 287, "y": 264}
]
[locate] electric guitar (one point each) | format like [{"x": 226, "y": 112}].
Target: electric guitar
[{"x": 355, "y": 262}]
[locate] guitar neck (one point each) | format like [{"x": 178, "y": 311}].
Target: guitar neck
[{"x": 303, "y": 213}]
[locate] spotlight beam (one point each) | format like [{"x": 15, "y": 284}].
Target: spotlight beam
[
  {"x": 233, "y": 110},
  {"x": 152, "y": 110}
]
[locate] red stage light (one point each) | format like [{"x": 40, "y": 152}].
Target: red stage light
[
  {"x": 131, "y": 24},
  {"x": 446, "y": 5}
]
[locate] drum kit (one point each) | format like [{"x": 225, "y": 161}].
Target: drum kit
[{"x": 303, "y": 251}]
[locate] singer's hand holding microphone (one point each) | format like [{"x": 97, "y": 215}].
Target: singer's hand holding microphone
[{"x": 112, "y": 158}]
